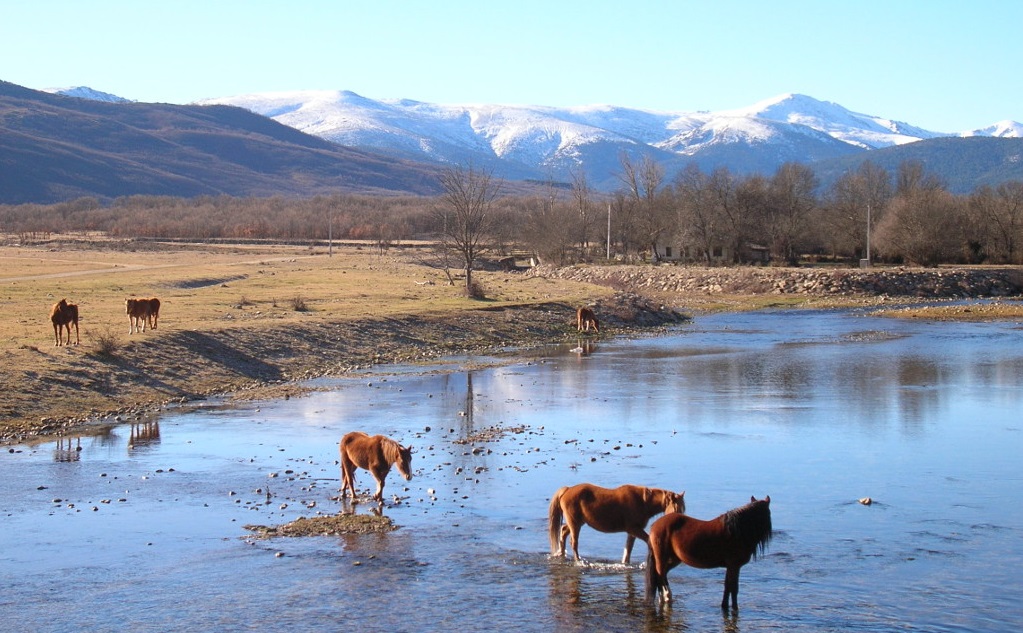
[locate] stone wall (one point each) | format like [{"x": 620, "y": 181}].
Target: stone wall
[{"x": 894, "y": 282}]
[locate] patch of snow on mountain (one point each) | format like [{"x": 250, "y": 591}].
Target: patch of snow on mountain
[
  {"x": 1002, "y": 129},
  {"x": 84, "y": 92}
]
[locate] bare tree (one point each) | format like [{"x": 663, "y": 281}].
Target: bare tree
[
  {"x": 466, "y": 214},
  {"x": 643, "y": 184},
  {"x": 1000, "y": 213},
  {"x": 854, "y": 196},
  {"x": 793, "y": 200}
]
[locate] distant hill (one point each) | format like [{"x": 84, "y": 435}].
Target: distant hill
[
  {"x": 962, "y": 164},
  {"x": 54, "y": 148}
]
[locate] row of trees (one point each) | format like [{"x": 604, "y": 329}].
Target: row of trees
[
  {"x": 722, "y": 217},
  {"x": 715, "y": 218}
]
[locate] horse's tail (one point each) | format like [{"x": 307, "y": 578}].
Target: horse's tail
[
  {"x": 654, "y": 582},
  {"x": 554, "y": 516}
]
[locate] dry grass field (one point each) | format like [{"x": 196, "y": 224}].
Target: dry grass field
[{"x": 234, "y": 318}]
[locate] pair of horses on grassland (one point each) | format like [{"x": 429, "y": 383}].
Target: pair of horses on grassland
[
  {"x": 728, "y": 541},
  {"x": 141, "y": 312}
]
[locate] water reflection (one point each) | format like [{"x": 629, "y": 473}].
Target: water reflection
[
  {"x": 818, "y": 409},
  {"x": 67, "y": 449},
  {"x": 144, "y": 435}
]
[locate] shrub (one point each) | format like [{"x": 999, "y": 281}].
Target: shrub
[{"x": 107, "y": 342}]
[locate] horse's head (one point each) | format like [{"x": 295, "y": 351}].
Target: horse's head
[
  {"x": 405, "y": 462},
  {"x": 675, "y": 502}
]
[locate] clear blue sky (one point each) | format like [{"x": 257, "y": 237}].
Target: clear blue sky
[{"x": 945, "y": 65}]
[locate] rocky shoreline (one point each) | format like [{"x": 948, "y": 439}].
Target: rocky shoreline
[{"x": 921, "y": 283}]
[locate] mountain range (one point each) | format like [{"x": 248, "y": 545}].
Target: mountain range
[
  {"x": 539, "y": 142},
  {"x": 66, "y": 143}
]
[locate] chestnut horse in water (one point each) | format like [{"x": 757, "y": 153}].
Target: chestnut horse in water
[
  {"x": 375, "y": 454},
  {"x": 64, "y": 315},
  {"x": 623, "y": 509},
  {"x": 584, "y": 318},
  {"x": 728, "y": 541}
]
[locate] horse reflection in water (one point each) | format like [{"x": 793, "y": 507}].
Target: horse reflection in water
[
  {"x": 68, "y": 449},
  {"x": 623, "y": 509},
  {"x": 728, "y": 541},
  {"x": 144, "y": 434},
  {"x": 375, "y": 454}
]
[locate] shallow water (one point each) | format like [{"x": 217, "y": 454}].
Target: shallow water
[{"x": 816, "y": 409}]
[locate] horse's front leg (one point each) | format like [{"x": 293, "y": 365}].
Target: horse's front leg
[
  {"x": 379, "y": 496},
  {"x": 731, "y": 588},
  {"x": 630, "y": 540}
]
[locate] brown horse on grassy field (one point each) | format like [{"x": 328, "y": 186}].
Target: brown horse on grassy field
[
  {"x": 64, "y": 315},
  {"x": 623, "y": 509},
  {"x": 140, "y": 312},
  {"x": 375, "y": 454},
  {"x": 728, "y": 541},
  {"x": 584, "y": 318},
  {"x": 154, "y": 312}
]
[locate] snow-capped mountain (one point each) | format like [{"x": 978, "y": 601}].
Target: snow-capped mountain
[
  {"x": 84, "y": 92},
  {"x": 539, "y": 141},
  {"x": 1002, "y": 129}
]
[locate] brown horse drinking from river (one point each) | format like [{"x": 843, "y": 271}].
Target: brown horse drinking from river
[
  {"x": 623, "y": 509},
  {"x": 375, "y": 454},
  {"x": 586, "y": 318},
  {"x": 64, "y": 315},
  {"x": 728, "y": 541}
]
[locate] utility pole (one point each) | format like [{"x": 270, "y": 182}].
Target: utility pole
[{"x": 608, "y": 231}]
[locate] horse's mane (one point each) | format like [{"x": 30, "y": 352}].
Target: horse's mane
[
  {"x": 391, "y": 449},
  {"x": 751, "y": 524}
]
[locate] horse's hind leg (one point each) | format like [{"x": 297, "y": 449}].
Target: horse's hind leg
[{"x": 571, "y": 528}]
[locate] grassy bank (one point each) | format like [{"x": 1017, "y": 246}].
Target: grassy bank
[{"x": 239, "y": 319}]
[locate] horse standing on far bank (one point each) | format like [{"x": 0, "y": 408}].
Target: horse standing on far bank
[
  {"x": 623, "y": 509},
  {"x": 64, "y": 315},
  {"x": 728, "y": 541},
  {"x": 375, "y": 454},
  {"x": 584, "y": 319}
]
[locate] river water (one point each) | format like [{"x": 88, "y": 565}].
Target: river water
[{"x": 141, "y": 528}]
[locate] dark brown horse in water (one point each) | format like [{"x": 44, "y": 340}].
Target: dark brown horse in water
[
  {"x": 64, "y": 315},
  {"x": 728, "y": 541},
  {"x": 375, "y": 454},
  {"x": 623, "y": 509}
]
